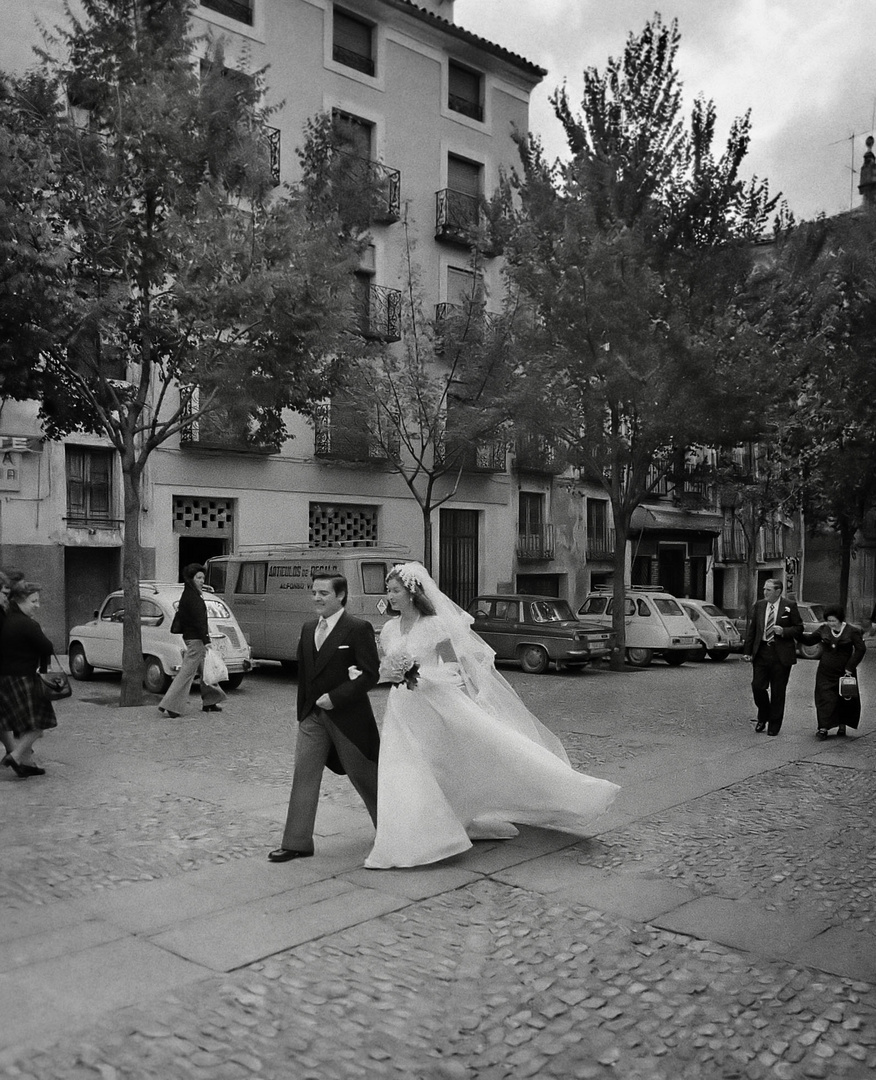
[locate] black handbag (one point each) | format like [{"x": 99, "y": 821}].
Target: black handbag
[
  {"x": 848, "y": 687},
  {"x": 55, "y": 684}
]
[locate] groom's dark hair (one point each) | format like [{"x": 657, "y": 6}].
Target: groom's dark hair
[{"x": 338, "y": 583}]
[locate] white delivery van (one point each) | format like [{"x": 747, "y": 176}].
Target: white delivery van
[{"x": 269, "y": 589}]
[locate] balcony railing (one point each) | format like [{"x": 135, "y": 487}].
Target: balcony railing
[
  {"x": 224, "y": 428},
  {"x": 457, "y": 219},
  {"x": 373, "y": 177},
  {"x": 93, "y": 522},
  {"x": 538, "y": 454},
  {"x": 466, "y": 322},
  {"x": 380, "y": 319},
  {"x": 600, "y": 543},
  {"x": 341, "y": 435},
  {"x": 771, "y": 543},
  {"x": 484, "y": 456},
  {"x": 234, "y": 9},
  {"x": 731, "y": 544},
  {"x": 466, "y": 106},
  {"x": 536, "y": 545},
  {"x": 274, "y": 151},
  {"x": 348, "y": 58}
]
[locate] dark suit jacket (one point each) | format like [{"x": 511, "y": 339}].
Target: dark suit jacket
[
  {"x": 788, "y": 618},
  {"x": 350, "y": 644}
]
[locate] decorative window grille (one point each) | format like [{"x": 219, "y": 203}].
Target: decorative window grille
[
  {"x": 195, "y": 516},
  {"x": 335, "y": 523}
]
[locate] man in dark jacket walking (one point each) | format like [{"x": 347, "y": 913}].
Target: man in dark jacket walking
[
  {"x": 337, "y": 667},
  {"x": 770, "y": 645}
]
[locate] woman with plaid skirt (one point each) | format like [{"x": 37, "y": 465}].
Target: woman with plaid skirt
[{"x": 24, "y": 648}]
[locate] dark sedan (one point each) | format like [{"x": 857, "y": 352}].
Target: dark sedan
[{"x": 537, "y": 631}]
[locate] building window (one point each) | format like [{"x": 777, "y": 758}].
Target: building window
[
  {"x": 352, "y": 42},
  {"x": 241, "y": 10},
  {"x": 89, "y": 487},
  {"x": 465, "y": 92},
  {"x": 194, "y": 516},
  {"x": 334, "y": 523},
  {"x": 458, "y": 210}
]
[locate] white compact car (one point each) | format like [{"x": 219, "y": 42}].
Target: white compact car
[
  {"x": 656, "y": 624},
  {"x": 98, "y": 644},
  {"x": 720, "y": 636}
]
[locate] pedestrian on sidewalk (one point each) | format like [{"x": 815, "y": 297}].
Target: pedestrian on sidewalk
[
  {"x": 24, "y": 650},
  {"x": 337, "y": 667},
  {"x": 842, "y": 649},
  {"x": 774, "y": 627},
  {"x": 191, "y": 621}
]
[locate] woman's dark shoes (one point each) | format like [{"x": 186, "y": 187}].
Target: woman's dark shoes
[
  {"x": 19, "y": 769},
  {"x": 211, "y": 708},
  {"x": 822, "y": 733},
  {"x": 33, "y": 770},
  {"x": 841, "y": 731},
  {"x": 760, "y": 725},
  {"x": 167, "y": 712}
]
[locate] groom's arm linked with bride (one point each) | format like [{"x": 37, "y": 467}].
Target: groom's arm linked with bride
[{"x": 336, "y": 725}]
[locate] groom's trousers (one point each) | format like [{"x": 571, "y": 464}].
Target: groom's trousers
[{"x": 316, "y": 735}]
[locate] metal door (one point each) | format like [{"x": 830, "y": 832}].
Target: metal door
[{"x": 458, "y": 555}]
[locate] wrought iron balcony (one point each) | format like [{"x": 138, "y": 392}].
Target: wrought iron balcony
[
  {"x": 274, "y": 150},
  {"x": 348, "y": 58},
  {"x": 536, "y": 545},
  {"x": 487, "y": 456},
  {"x": 466, "y": 322},
  {"x": 226, "y": 427},
  {"x": 771, "y": 543},
  {"x": 600, "y": 543},
  {"x": 457, "y": 219},
  {"x": 466, "y": 106},
  {"x": 341, "y": 435},
  {"x": 731, "y": 544},
  {"x": 380, "y": 317},
  {"x": 539, "y": 454},
  {"x": 382, "y": 182},
  {"x": 234, "y": 9}
]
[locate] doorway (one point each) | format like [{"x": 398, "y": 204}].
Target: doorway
[
  {"x": 670, "y": 563},
  {"x": 89, "y": 575},
  {"x": 458, "y": 555},
  {"x": 197, "y": 549}
]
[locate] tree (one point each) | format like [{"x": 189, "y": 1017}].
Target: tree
[
  {"x": 625, "y": 264},
  {"x": 434, "y": 407},
  {"x": 816, "y": 304},
  {"x": 190, "y": 287}
]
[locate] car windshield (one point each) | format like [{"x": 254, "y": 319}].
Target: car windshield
[
  {"x": 215, "y": 608},
  {"x": 710, "y": 609},
  {"x": 542, "y": 611},
  {"x": 666, "y": 606},
  {"x": 593, "y": 605}
]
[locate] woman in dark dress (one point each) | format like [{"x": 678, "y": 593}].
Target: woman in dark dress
[
  {"x": 191, "y": 622},
  {"x": 24, "y": 650},
  {"x": 6, "y": 736},
  {"x": 842, "y": 650}
]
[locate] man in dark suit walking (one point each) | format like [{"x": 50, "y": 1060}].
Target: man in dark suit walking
[
  {"x": 773, "y": 629},
  {"x": 337, "y": 666}
]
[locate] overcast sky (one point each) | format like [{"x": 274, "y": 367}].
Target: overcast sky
[{"x": 806, "y": 68}]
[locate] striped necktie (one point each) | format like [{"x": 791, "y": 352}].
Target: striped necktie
[{"x": 770, "y": 622}]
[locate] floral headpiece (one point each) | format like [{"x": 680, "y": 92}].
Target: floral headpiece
[{"x": 412, "y": 575}]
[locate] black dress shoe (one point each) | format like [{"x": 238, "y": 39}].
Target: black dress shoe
[
  {"x": 210, "y": 708},
  {"x": 772, "y": 732},
  {"x": 167, "y": 712},
  {"x": 19, "y": 769},
  {"x": 282, "y": 854},
  {"x": 760, "y": 725},
  {"x": 841, "y": 731},
  {"x": 33, "y": 770},
  {"x": 821, "y": 733}
]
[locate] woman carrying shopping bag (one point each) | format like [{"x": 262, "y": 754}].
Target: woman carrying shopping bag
[{"x": 191, "y": 621}]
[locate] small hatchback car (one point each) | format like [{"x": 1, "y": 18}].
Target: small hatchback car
[
  {"x": 537, "y": 631},
  {"x": 98, "y": 644},
  {"x": 656, "y": 624},
  {"x": 720, "y": 636}
]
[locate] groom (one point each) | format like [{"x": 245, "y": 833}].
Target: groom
[{"x": 337, "y": 666}]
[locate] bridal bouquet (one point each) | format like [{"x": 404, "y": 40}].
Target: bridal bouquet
[{"x": 402, "y": 668}]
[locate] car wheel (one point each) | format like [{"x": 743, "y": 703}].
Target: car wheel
[
  {"x": 533, "y": 659},
  {"x": 811, "y": 652},
  {"x": 699, "y": 654},
  {"x": 640, "y": 657},
  {"x": 154, "y": 679},
  {"x": 676, "y": 659},
  {"x": 79, "y": 666},
  {"x": 235, "y": 680},
  {"x": 719, "y": 654}
]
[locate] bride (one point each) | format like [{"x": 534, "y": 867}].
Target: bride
[{"x": 461, "y": 757}]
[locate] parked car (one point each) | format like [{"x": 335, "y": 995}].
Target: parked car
[
  {"x": 98, "y": 643},
  {"x": 715, "y": 627},
  {"x": 812, "y": 616},
  {"x": 656, "y": 624},
  {"x": 537, "y": 631}
]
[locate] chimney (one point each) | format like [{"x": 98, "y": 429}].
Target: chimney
[{"x": 867, "y": 186}]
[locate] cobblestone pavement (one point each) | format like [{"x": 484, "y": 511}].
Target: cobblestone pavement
[{"x": 531, "y": 961}]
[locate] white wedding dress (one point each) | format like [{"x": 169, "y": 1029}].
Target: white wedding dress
[{"x": 451, "y": 769}]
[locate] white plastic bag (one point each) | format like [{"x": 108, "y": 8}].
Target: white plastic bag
[{"x": 214, "y": 671}]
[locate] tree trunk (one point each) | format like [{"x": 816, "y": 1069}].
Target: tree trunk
[
  {"x": 132, "y": 643},
  {"x": 618, "y": 618},
  {"x": 847, "y": 539},
  {"x": 427, "y": 539}
]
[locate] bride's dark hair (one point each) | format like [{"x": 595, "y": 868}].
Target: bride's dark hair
[{"x": 423, "y": 605}]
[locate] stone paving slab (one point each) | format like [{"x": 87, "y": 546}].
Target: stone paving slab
[
  {"x": 416, "y": 883},
  {"x": 231, "y": 938},
  {"x": 739, "y": 925},
  {"x": 631, "y": 896},
  {"x": 841, "y": 951},
  {"x": 78, "y": 988},
  {"x": 56, "y": 942}
]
